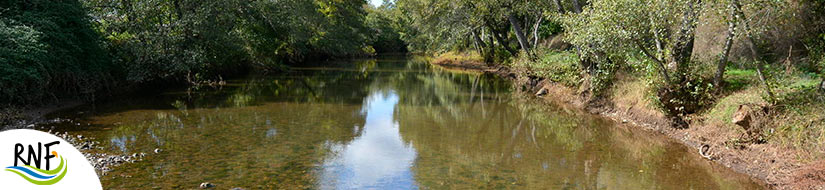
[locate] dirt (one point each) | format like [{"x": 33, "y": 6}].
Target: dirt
[{"x": 773, "y": 166}]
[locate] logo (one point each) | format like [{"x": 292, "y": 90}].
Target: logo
[
  {"x": 36, "y": 174},
  {"x": 32, "y": 159}
]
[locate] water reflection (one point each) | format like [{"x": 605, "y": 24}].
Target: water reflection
[
  {"x": 376, "y": 159},
  {"x": 380, "y": 124}
]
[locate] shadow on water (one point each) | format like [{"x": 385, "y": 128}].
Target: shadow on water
[{"x": 388, "y": 123}]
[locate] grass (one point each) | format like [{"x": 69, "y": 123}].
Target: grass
[
  {"x": 557, "y": 66},
  {"x": 801, "y": 122},
  {"x": 722, "y": 112},
  {"x": 799, "y": 119},
  {"x": 458, "y": 57},
  {"x": 739, "y": 79}
]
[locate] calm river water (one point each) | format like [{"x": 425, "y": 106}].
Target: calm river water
[{"x": 387, "y": 123}]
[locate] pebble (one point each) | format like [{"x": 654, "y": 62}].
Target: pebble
[
  {"x": 206, "y": 185},
  {"x": 541, "y": 92}
]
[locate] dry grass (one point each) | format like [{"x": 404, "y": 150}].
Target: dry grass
[
  {"x": 458, "y": 57},
  {"x": 799, "y": 122},
  {"x": 632, "y": 94}
]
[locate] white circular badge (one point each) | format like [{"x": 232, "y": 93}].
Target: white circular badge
[{"x": 31, "y": 159}]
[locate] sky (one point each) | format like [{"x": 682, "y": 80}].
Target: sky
[{"x": 376, "y": 3}]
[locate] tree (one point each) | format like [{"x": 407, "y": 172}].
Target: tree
[{"x": 628, "y": 28}]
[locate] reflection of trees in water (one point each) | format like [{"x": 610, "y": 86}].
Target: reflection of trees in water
[
  {"x": 272, "y": 145},
  {"x": 273, "y": 132},
  {"x": 525, "y": 144}
]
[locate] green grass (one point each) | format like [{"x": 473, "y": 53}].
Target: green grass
[
  {"x": 722, "y": 112},
  {"x": 799, "y": 118},
  {"x": 561, "y": 67},
  {"x": 739, "y": 79}
]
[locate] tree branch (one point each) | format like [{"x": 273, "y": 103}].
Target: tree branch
[{"x": 661, "y": 64}]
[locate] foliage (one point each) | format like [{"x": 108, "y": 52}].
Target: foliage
[
  {"x": 561, "y": 67},
  {"x": 386, "y": 36},
  {"x": 21, "y": 62},
  {"x": 49, "y": 50},
  {"x": 547, "y": 29},
  {"x": 54, "y": 49}
]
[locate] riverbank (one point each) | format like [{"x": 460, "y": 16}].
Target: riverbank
[
  {"x": 774, "y": 164},
  {"x": 31, "y": 118}
]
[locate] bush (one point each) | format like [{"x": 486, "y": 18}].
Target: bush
[
  {"x": 22, "y": 55},
  {"x": 560, "y": 67},
  {"x": 49, "y": 50}
]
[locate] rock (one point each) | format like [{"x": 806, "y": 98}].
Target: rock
[
  {"x": 742, "y": 117},
  {"x": 541, "y": 92},
  {"x": 158, "y": 150},
  {"x": 206, "y": 185},
  {"x": 237, "y": 188}
]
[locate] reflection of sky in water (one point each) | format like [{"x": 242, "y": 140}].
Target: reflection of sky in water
[
  {"x": 120, "y": 142},
  {"x": 271, "y": 132},
  {"x": 378, "y": 159}
]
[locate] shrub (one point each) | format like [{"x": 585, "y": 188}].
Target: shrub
[
  {"x": 22, "y": 55},
  {"x": 561, "y": 67}
]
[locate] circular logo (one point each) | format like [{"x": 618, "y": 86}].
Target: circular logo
[{"x": 31, "y": 159}]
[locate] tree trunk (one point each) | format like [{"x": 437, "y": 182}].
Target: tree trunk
[
  {"x": 561, "y": 8},
  {"x": 723, "y": 58},
  {"x": 491, "y": 40},
  {"x": 481, "y": 47},
  {"x": 478, "y": 40},
  {"x": 753, "y": 49},
  {"x": 683, "y": 49},
  {"x": 502, "y": 41},
  {"x": 522, "y": 40},
  {"x": 577, "y": 7},
  {"x": 536, "y": 30}
]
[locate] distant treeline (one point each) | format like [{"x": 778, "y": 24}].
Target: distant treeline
[{"x": 56, "y": 49}]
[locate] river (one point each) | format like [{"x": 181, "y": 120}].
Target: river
[{"x": 394, "y": 122}]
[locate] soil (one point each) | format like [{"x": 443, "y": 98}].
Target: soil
[{"x": 774, "y": 166}]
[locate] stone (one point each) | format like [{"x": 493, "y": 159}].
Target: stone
[
  {"x": 206, "y": 185},
  {"x": 742, "y": 117},
  {"x": 541, "y": 92},
  {"x": 157, "y": 150}
]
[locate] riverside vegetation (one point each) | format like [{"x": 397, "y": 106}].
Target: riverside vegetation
[
  {"x": 745, "y": 74},
  {"x": 54, "y": 50}
]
